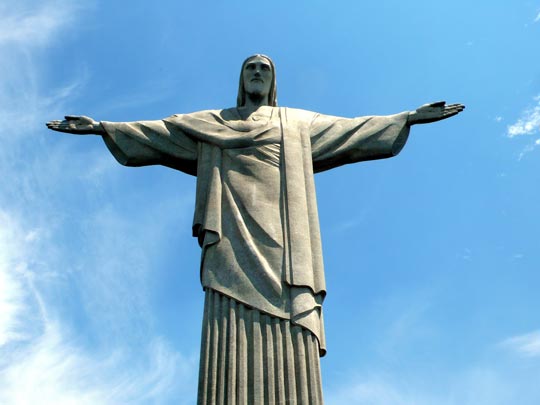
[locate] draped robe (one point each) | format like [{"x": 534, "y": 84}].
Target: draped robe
[{"x": 256, "y": 213}]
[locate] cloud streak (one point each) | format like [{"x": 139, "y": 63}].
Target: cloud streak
[
  {"x": 27, "y": 30},
  {"x": 487, "y": 378},
  {"x": 528, "y": 123},
  {"x": 30, "y": 23},
  {"x": 377, "y": 391},
  {"x": 13, "y": 283},
  {"x": 54, "y": 369},
  {"x": 43, "y": 360},
  {"x": 476, "y": 384},
  {"x": 527, "y": 345},
  {"x": 46, "y": 357}
]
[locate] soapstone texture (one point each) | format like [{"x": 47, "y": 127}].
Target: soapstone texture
[{"x": 257, "y": 224}]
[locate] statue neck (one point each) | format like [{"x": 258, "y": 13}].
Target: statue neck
[
  {"x": 251, "y": 105},
  {"x": 254, "y": 101}
]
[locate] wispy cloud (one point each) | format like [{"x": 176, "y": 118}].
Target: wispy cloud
[
  {"x": 27, "y": 29},
  {"x": 44, "y": 299},
  {"x": 43, "y": 360},
  {"x": 537, "y": 17},
  {"x": 529, "y": 148},
  {"x": 368, "y": 392},
  {"x": 377, "y": 391},
  {"x": 528, "y": 123},
  {"x": 484, "y": 377},
  {"x": 14, "y": 296},
  {"x": 31, "y": 23},
  {"x": 488, "y": 384},
  {"x": 54, "y": 369},
  {"x": 527, "y": 345}
]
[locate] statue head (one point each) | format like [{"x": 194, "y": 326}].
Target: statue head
[{"x": 243, "y": 89}]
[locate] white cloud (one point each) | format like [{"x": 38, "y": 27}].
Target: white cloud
[
  {"x": 529, "y": 122},
  {"x": 488, "y": 384},
  {"x": 32, "y": 23},
  {"x": 53, "y": 369},
  {"x": 13, "y": 291},
  {"x": 43, "y": 361},
  {"x": 44, "y": 357},
  {"x": 483, "y": 377},
  {"x": 376, "y": 391},
  {"x": 27, "y": 28},
  {"x": 529, "y": 148},
  {"x": 537, "y": 18},
  {"x": 527, "y": 345}
]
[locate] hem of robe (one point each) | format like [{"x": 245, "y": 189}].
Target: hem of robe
[
  {"x": 310, "y": 319},
  {"x": 249, "y": 357}
]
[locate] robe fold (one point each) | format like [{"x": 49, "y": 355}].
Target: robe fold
[{"x": 256, "y": 213}]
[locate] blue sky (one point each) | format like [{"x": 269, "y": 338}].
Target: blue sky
[{"x": 432, "y": 257}]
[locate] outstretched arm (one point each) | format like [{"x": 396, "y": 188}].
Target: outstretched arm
[
  {"x": 433, "y": 112},
  {"x": 138, "y": 143},
  {"x": 77, "y": 125}
]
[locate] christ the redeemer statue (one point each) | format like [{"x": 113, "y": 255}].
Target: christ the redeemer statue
[{"x": 256, "y": 222}]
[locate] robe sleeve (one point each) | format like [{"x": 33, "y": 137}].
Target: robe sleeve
[
  {"x": 337, "y": 141},
  {"x": 144, "y": 143}
]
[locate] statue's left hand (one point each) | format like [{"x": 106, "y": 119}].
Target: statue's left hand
[
  {"x": 76, "y": 124},
  {"x": 434, "y": 112}
]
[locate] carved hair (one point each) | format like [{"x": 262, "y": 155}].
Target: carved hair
[{"x": 272, "y": 95}]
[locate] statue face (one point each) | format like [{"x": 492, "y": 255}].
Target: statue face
[{"x": 257, "y": 76}]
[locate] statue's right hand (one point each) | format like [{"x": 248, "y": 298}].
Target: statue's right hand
[{"x": 74, "y": 124}]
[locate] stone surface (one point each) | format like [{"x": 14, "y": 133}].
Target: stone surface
[{"x": 256, "y": 222}]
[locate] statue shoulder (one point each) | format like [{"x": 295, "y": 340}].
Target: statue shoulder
[
  {"x": 299, "y": 115},
  {"x": 200, "y": 114}
]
